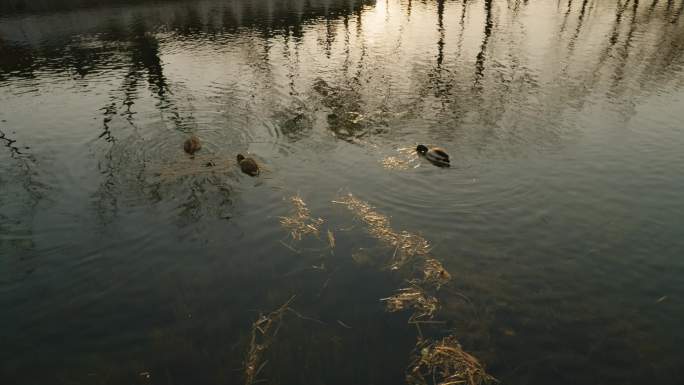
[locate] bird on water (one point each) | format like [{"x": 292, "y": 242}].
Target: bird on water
[
  {"x": 435, "y": 155},
  {"x": 248, "y": 165},
  {"x": 192, "y": 145}
]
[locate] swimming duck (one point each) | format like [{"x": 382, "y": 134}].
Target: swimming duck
[
  {"x": 192, "y": 145},
  {"x": 435, "y": 155},
  {"x": 248, "y": 165}
]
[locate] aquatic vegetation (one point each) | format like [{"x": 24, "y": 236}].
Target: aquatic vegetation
[
  {"x": 331, "y": 239},
  {"x": 415, "y": 298},
  {"x": 394, "y": 163},
  {"x": 408, "y": 248},
  {"x": 444, "y": 362},
  {"x": 264, "y": 330},
  {"x": 418, "y": 296},
  {"x": 263, "y": 336},
  {"x": 300, "y": 223},
  {"x": 406, "y": 245},
  {"x": 434, "y": 274},
  {"x": 407, "y": 158}
]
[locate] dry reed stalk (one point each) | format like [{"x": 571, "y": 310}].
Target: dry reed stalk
[
  {"x": 436, "y": 363},
  {"x": 415, "y": 298},
  {"x": 331, "y": 239},
  {"x": 434, "y": 274},
  {"x": 264, "y": 329},
  {"x": 300, "y": 222},
  {"x": 444, "y": 362},
  {"x": 406, "y": 159},
  {"x": 406, "y": 245},
  {"x": 394, "y": 163}
]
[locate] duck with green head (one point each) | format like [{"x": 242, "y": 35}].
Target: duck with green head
[{"x": 435, "y": 155}]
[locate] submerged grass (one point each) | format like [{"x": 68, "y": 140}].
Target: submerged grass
[
  {"x": 406, "y": 159},
  {"x": 433, "y": 362},
  {"x": 434, "y": 274},
  {"x": 444, "y": 362},
  {"x": 413, "y": 297},
  {"x": 408, "y": 248},
  {"x": 264, "y": 330},
  {"x": 331, "y": 240},
  {"x": 406, "y": 245},
  {"x": 441, "y": 362},
  {"x": 300, "y": 223}
]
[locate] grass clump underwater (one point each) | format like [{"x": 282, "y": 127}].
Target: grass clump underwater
[
  {"x": 264, "y": 330},
  {"x": 433, "y": 361},
  {"x": 444, "y": 362},
  {"x": 434, "y": 274},
  {"x": 407, "y": 158},
  {"x": 414, "y": 297},
  {"x": 406, "y": 245},
  {"x": 300, "y": 223},
  {"x": 409, "y": 249},
  {"x": 441, "y": 362}
]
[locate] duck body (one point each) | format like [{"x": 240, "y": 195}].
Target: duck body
[
  {"x": 192, "y": 145},
  {"x": 248, "y": 165},
  {"x": 436, "y": 155}
]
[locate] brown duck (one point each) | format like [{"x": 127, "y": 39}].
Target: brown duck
[
  {"x": 248, "y": 165},
  {"x": 192, "y": 145}
]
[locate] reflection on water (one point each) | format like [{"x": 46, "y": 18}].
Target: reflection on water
[{"x": 124, "y": 260}]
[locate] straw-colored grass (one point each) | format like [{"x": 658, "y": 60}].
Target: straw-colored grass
[
  {"x": 331, "y": 239},
  {"x": 264, "y": 330},
  {"x": 407, "y": 158},
  {"x": 414, "y": 297},
  {"x": 406, "y": 245},
  {"x": 434, "y": 274},
  {"x": 300, "y": 223},
  {"x": 394, "y": 163},
  {"x": 444, "y": 362}
]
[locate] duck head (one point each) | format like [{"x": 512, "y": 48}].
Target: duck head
[
  {"x": 240, "y": 158},
  {"x": 421, "y": 149}
]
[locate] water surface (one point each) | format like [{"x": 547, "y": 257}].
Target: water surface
[{"x": 560, "y": 220}]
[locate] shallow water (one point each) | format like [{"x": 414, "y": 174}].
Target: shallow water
[{"x": 123, "y": 260}]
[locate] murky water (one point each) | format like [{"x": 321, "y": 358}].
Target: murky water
[{"x": 124, "y": 260}]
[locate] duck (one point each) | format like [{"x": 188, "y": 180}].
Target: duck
[
  {"x": 192, "y": 145},
  {"x": 435, "y": 155},
  {"x": 248, "y": 165}
]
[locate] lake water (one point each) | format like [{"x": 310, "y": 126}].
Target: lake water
[{"x": 561, "y": 219}]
